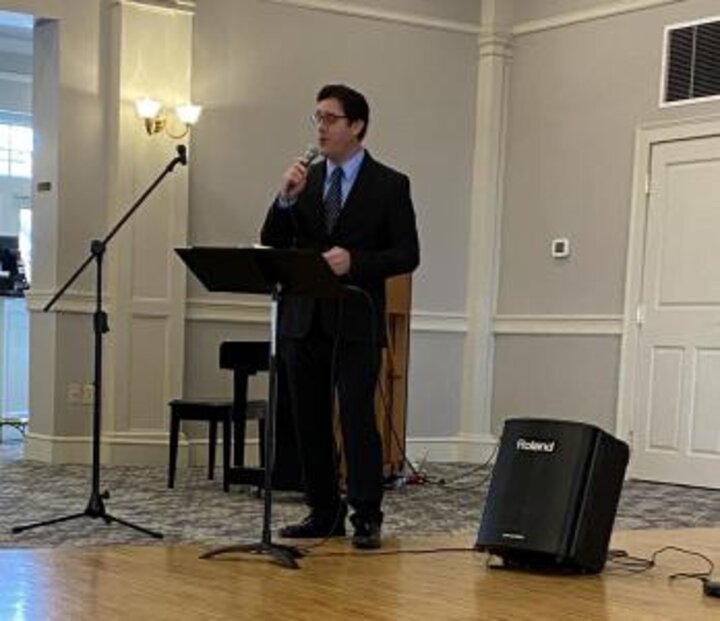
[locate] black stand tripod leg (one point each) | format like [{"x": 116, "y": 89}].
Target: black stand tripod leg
[
  {"x": 285, "y": 555},
  {"x": 67, "y": 518},
  {"x": 140, "y": 529},
  {"x": 96, "y": 510}
]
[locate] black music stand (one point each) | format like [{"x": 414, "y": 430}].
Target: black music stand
[{"x": 276, "y": 272}]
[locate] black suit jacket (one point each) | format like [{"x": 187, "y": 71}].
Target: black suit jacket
[{"x": 376, "y": 225}]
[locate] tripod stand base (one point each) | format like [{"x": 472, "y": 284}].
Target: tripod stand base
[
  {"x": 95, "y": 510},
  {"x": 285, "y": 555}
]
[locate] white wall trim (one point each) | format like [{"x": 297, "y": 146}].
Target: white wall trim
[
  {"x": 620, "y": 7},
  {"x": 251, "y": 312},
  {"x": 463, "y": 447},
  {"x": 228, "y": 311},
  {"x": 408, "y": 19},
  {"x": 145, "y": 448},
  {"x": 647, "y": 136},
  {"x": 72, "y": 301},
  {"x": 258, "y": 313},
  {"x": 427, "y": 321},
  {"x": 197, "y": 452},
  {"x": 151, "y": 448},
  {"x": 558, "y": 324}
]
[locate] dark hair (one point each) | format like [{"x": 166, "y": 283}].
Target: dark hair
[{"x": 354, "y": 104}]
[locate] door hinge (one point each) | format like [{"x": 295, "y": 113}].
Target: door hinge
[
  {"x": 640, "y": 315},
  {"x": 647, "y": 184}
]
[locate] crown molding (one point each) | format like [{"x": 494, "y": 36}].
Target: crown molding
[
  {"x": 620, "y": 7},
  {"x": 357, "y": 10}
]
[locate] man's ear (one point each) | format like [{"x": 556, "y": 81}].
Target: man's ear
[{"x": 357, "y": 126}]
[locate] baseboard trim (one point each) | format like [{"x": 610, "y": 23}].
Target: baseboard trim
[
  {"x": 151, "y": 449},
  {"x": 464, "y": 447},
  {"x": 146, "y": 448}
]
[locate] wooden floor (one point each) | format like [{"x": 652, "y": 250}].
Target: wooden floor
[{"x": 154, "y": 582}]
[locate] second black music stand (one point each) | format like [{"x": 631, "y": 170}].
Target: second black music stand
[{"x": 277, "y": 272}]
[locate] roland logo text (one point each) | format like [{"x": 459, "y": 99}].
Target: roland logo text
[{"x": 535, "y": 446}]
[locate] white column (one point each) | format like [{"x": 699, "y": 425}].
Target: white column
[
  {"x": 146, "y": 284},
  {"x": 494, "y": 45}
]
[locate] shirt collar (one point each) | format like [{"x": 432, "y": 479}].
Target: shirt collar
[{"x": 350, "y": 167}]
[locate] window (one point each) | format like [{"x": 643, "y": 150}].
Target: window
[{"x": 16, "y": 145}]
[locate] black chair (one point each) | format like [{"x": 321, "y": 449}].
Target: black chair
[
  {"x": 246, "y": 358},
  {"x": 213, "y": 412}
]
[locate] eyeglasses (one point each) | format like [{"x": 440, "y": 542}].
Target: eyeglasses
[{"x": 328, "y": 118}]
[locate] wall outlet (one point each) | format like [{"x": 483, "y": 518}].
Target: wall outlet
[
  {"x": 88, "y": 394},
  {"x": 560, "y": 248},
  {"x": 74, "y": 393}
]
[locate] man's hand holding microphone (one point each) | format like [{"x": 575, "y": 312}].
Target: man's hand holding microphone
[{"x": 293, "y": 183}]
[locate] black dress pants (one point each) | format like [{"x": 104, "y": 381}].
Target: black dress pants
[{"x": 354, "y": 365}]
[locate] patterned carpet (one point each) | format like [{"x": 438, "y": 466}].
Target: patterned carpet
[{"x": 198, "y": 511}]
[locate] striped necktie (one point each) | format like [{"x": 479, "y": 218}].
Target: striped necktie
[{"x": 333, "y": 199}]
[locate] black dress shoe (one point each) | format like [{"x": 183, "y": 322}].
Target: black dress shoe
[
  {"x": 367, "y": 531},
  {"x": 317, "y": 525}
]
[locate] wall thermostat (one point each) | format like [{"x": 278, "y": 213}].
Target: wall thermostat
[{"x": 560, "y": 248}]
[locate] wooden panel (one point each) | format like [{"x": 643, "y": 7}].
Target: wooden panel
[
  {"x": 391, "y": 397},
  {"x": 391, "y": 393}
]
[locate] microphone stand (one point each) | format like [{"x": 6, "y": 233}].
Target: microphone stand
[
  {"x": 285, "y": 555},
  {"x": 96, "y": 507}
]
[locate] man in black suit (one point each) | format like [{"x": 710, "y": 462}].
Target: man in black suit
[{"x": 359, "y": 214}]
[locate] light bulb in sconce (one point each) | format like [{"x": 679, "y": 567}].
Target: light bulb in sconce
[
  {"x": 152, "y": 112},
  {"x": 188, "y": 113},
  {"x": 149, "y": 110}
]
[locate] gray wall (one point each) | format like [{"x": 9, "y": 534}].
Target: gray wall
[
  {"x": 543, "y": 376},
  {"x": 577, "y": 95},
  {"x": 257, "y": 67}
]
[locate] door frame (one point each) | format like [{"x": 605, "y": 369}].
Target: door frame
[{"x": 647, "y": 137}]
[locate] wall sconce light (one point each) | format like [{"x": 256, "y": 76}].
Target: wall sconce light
[{"x": 156, "y": 119}]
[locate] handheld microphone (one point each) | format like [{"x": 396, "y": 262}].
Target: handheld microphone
[{"x": 310, "y": 154}]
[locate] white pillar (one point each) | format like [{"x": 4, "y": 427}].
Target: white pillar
[
  {"x": 96, "y": 159},
  {"x": 494, "y": 45},
  {"x": 146, "y": 279}
]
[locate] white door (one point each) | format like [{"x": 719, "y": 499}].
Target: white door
[{"x": 677, "y": 414}]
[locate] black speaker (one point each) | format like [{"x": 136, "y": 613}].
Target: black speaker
[{"x": 553, "y": 496}]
